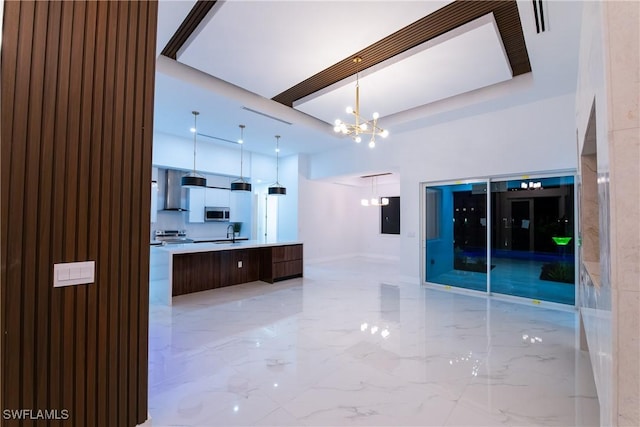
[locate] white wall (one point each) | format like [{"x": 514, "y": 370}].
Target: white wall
[
  {"x": 329, "y": 220},
  {"x": 522, "y": 139},
  {"x": 288, "y": 205}
]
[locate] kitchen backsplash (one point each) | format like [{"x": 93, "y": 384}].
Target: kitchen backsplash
[
  {"x": 179, "y": 221},
  {"x": 173, "y": 220}
]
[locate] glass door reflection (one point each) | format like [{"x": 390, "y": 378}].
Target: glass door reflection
[
  {"x": 532, "y": 239},
  {"x": 456, "y": 235}
]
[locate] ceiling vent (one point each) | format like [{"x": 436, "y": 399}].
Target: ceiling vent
[{"x": 540, "y": 15}]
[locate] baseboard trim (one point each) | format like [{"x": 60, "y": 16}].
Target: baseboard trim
[
  {"x": 320, "y": 260},
  {"x": 380, "y": 256},
  {"x": 311, "y": 261},
  {"x": 414, "y": 280}
]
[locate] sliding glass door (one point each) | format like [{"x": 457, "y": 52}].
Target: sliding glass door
[
  {"x": 532, "y": 238},
  {"x": 529, "y": 224},
  {"x": 456, "y": 235}
]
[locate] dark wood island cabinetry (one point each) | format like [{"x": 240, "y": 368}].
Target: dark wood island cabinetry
[
  {"x": 281, "y": 262},
  {"x": 199, "y": 271}
]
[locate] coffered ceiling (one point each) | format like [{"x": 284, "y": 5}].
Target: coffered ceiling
[{"x": 285, "y": 67}]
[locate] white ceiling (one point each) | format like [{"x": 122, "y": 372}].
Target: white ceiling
[
  {"x": 284, "y": 42},
  {"x": 246, "y": 52}
]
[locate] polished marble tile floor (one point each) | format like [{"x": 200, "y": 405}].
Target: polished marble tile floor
[
  {"x": 511, "y": 277},
  {"x": 350, "y": 344}
]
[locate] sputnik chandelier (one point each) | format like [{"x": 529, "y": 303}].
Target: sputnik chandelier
[{"x": 361, "y": 126}]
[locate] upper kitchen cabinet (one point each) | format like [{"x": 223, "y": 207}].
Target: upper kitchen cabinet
[
  {"x": 154, "y": 201},
  {"x": 217, "y": 197},
  {"x": 196, "y": 199}
]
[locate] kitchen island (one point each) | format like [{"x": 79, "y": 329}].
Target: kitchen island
[{"x": 180, "y": 269}]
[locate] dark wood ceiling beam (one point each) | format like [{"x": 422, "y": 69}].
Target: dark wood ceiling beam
[
  {"x": 427, "y": 28},
  {"x": 197, "y": 14}
]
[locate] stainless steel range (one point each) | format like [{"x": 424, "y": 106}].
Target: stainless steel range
[{"x": 172, "y": 237}]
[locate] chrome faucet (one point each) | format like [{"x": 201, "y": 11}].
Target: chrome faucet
[{"x": 233, "y": 235}]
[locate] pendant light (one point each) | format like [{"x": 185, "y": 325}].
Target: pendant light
[
  {"x": 241, "y": 184},
  {"x": 277, "y": 189},
  {"x": 193, "y": 179},
  {"x": 375, "y": 200}
]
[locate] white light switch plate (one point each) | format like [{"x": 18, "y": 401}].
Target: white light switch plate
[{"x": 73, "y": 273}]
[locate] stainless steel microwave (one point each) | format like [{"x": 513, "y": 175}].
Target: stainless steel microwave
[{"x": 216, "y": 214}]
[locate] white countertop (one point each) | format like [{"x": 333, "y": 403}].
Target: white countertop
[{"x": 184, "y": 248}]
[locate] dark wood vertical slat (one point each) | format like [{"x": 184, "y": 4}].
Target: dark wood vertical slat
[
  {"x": 134, "y": 61},
  {"x": 116, "y": 239},
  {"x": 136, "y": 177},
  {"x": 33, "y": 387},
  {"x": 124, "y": 77},
  {"x": 75, "y": 302},
  {"x": 109, "y": 237},
  {"x": 13, "y": 394},
  {"x": 85, "y": 381},
  {"x": 100, "y": 218},
  {"x": 57, "y": 209},
  {"x": 45, "y": 199},
  {"x": 63, "y": 239},
  {"x": 147, "y": 135}
]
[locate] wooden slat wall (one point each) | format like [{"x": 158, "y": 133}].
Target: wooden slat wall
[{"x": 77, "y": 118}]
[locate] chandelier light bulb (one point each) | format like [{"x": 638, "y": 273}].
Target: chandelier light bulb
[
  {"x": 385, "y": 201},
  {"x": 374, "y": 201},
  {"x": 192, "y": 130},
  {"x": 364, "y": 202},
  {"x": 363, "y": 126},
  {"x": 349, "y": 110},
  {"x": 384, "y": 133},
  {"x": 372, "y": 144},
  {"x": 338, "y": 122},
  {"x": 358, "y": 139},
  {"x": 375, "y": 116}
]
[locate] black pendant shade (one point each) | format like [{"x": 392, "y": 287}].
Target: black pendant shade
[
  {"x": 277, "y": 191},
  {"x": 191, "y": 181},
  {"x": 240, "y": 186}
]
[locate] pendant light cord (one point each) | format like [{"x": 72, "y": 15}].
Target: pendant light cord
[
  {"x": 195, "y": 133},
  {"x": 278, "y": 159},
  {"x": 241, "y": 150}
]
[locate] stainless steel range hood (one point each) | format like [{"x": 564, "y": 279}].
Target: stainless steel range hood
[{"x": 174, "y": 194}]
